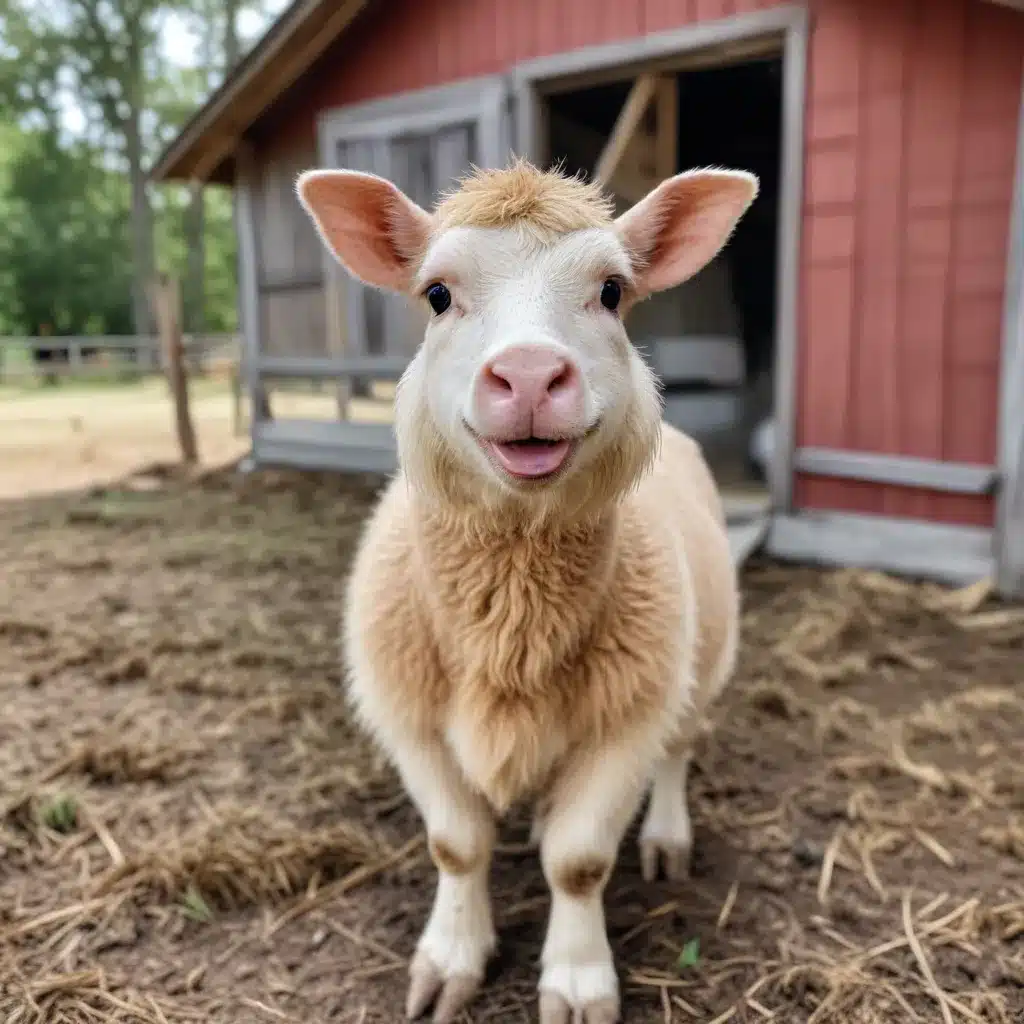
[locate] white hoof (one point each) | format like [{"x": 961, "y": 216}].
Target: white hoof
[{"x": 579, "y": 994}]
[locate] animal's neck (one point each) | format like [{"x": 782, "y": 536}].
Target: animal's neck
[{"x": 516, "y": 600}]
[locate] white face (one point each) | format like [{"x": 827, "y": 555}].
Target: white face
[
  {"x": 526, "y": 379},
  {"x": 526, "y": 389}
]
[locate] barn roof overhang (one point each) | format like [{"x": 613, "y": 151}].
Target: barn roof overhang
[{"x": 204, "y": 148}]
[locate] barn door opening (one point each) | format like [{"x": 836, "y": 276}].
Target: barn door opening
[{"x": 712, "y": 340}]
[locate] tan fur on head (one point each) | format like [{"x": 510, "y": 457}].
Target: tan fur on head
[{"x": 545, "y": 203}]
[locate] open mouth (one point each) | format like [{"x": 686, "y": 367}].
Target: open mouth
[{"x": 533, "y": 458}]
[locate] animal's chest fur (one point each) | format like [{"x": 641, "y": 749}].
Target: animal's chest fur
[{"x": 545, "y": 645}]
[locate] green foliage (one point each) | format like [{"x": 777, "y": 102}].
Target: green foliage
[
  {"x": 72, "y": 239},
  {"x": 689, "y": 956},
  {"x": 219, "y": 243},
  {"x": 195, "y": 907},
  {"x": 60, "y": 813},
  {"x": 64, "y": 248}
]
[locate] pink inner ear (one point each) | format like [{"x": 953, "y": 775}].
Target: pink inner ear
[
  {"x": 681, "y": 226},
  {"x": 370, "y": 225}
]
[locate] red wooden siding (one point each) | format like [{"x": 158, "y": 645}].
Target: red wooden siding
[
  {"x": 911, "y": 133},
  {"x": 412, "y": 44}
]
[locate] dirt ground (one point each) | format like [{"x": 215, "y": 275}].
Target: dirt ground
[
  {"x": 191, "y": 830},
  {"x": 77, "y": 435}
]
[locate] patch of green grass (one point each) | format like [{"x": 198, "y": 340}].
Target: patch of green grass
[
  {"x": 689, "y": 956},
  {"x": 60, "y": 813},
  {"x": 194, "y": 907}
]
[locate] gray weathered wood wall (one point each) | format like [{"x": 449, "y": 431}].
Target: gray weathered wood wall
[{"x": 290, "y": 264}]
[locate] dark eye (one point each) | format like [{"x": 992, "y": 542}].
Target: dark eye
[
  {"x": 611, "y": 294},
  {"x": 439, "y": 298}
]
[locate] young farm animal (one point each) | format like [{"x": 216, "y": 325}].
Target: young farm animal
[{"x": 543, "y": 603}]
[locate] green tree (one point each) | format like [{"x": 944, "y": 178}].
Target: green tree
[
  {"x": 64, "y": 248},
  {"x": 84, "y": 225}
]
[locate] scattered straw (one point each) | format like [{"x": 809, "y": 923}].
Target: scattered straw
[
  {"x": 730, "y": 902},
  {"x": 240, "y": 858},
  {"x": 922, "y": 961},
  {"x": 828, "y": 866}
]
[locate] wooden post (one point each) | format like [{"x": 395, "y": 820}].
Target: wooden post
[
  {"x": 236, "y": 389},
  {"x": 634, "y": 160},
  {"x": 165, "y": 296},
  {"x": 667, "y": 142},
  {"x": 626, "y": 124}
]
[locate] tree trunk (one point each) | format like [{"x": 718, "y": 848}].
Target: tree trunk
[
  {"x": 231, "y": 43},
  {"x": 141, "y": 214},
  {"x": 142, "y": 233},
  {"x": 166, "y": 298}
]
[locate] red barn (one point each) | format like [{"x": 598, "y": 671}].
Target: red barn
[{"x": 871, "y": 303}]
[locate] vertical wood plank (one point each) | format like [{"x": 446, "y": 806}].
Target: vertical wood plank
[
  {"x": 934, "y": 91},
  {"x": 828, "y": 278},
  {"x": 249, "y": 312},
  {"x": 875, "y": 393},
  {"x": 1010, "y": 508}
]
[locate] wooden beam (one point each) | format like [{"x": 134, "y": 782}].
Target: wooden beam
[
  {"x": 666, "y": 160},
  {"x": 1010, "y": 503},
  {"x": 898, "y": 470},
  {"x": 250, "y": 320},
  {"x": 950, "y": 554},
  {"x": 629, "y": 180},
  {"x": 787, "y": 280},
  {"x": 625, "y": 128}
]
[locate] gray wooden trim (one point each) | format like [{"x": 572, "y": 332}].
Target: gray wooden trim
[
  {"x": 949, "y": 554},
  {"x": 726, "y": 34},
  {"x": 316, "y": 444},
  {"x": 249, "y": 315},
  {"x": 493, "y": 140},
  {"x": 306, "y": 282},
  {"x": 298, "y": 367},
  {"x": 529, "y": 122},
  {"x": 1010, "y": 505},
  {"x": 791, "y": 201},
  {"x": 420, "y": 110},
  {"x": 713, "y": 42},
  {"x": 902, "y": 471},
  {"x": 790, "y": 25},
  {"x": 746, "y": 537}
]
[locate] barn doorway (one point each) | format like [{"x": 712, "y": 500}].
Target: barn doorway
[{"x": 712, "y": 340}]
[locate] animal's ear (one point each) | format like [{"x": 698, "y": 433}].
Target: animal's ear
[
  {"x": 377, "y": 232},
  {"x": 680, "y": 226}
]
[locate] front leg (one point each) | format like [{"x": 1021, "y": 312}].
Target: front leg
[
  {"x": 666, "y": 831},
  {"x": 452, "y": 952},
  {"x": 591, "y": 806}
]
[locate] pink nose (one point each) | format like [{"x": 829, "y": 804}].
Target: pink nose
[{"x": 528, "y": 390}]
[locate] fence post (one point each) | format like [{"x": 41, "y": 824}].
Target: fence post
[{"x": 165, "y": 296}]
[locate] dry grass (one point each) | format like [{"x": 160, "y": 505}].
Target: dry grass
[
  {"x": 191, "y": 830},
  {"x": 88, "y": 435}
]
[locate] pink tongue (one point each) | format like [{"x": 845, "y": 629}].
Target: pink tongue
[{"x": 531, "y": 460}]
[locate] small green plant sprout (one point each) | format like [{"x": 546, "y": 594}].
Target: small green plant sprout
[
  {"x": 689, "y": 955},
  {"x": 195, "y": 907},
  {"x": 60, "y": 813}
]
